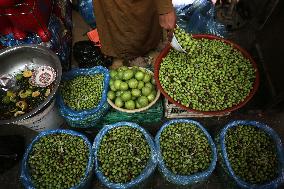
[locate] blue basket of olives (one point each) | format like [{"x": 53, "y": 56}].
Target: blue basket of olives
[
  {"x": 251, "y": 154},
  {"x": 82, "y": 97}
]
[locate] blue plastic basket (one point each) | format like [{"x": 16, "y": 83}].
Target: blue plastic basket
[
  {"x": 185, "y": 179},
  {"x": 148, "y": 170},
  {"x": 25, "y": 174},
  {"x": 279, "y": 148},
  {"x": 90, "y": 117}
]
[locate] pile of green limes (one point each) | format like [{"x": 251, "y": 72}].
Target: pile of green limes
[{"x": 131, "y": 88}]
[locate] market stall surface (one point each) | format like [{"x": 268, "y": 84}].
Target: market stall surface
[{"x": 275, "y": 119}]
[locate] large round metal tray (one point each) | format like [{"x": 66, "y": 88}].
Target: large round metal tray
[
  {"x": 211, "y": 37},
  {"x": 14, "y": 59}
]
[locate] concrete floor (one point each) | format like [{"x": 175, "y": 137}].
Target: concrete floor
[{"x": 275, "y": 119}]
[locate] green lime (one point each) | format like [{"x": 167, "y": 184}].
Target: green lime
[
  {"x": 118, "y": 102},
  {"x": 111, "y": 82},
  {"x": 123, "y": 86},
  {"x": 130, "y": 105},
  {"x": 142, "y": 70},
  {"x": 113, "y": 88},
  {"x": 117, "y": 84},
  {"x": 136, "y": 92},
  {"x": 147, "y": 78},
  {"x": 125, "y": 96},
  {"x": 128, "y": 74},
  {"x": 138, "y": 106},
  {"x": 143, "y": 101},
  {"x": 146, "y": 91},
  {"x": 118, "y": 93},
  {"x": 122, "y": 68},
  {"x": 149, "y": 85},
  {"x": 139, "y": 75},
  {"x": 112, "y": 73},
  {"x": 151, "y": 97},
  {"x": 111, "y": 95},
  {"x": 154, "y": 92},
  {"x": 133, "y": 83},
  {"x": 119, "y": 74},
  {"x": 135, "y": 69},
  {"x": 153, "y": 81},
  {"x": 140, "y": 84}
]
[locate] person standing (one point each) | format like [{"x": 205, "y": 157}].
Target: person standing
[{"x": 131, "y": 28}]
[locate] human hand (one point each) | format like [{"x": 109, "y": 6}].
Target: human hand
[{"x": 168, "y": 22}]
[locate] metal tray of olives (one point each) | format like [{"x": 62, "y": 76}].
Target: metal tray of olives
[
  {"x": 212, "y": 113},
  {"x": 15, "y": 59}
]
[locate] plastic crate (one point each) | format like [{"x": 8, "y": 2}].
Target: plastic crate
[{"x": 174, "y": 111}]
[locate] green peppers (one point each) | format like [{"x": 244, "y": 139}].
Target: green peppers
[
  {"x": 58, "y": 161},
  {"x": 185, "y": 149},
  {"x": 83, "y": 92},
  {"x": 252, "y": 154},
  {"x": 123, "y": 154},
  {"x": 211, "y": 76}
]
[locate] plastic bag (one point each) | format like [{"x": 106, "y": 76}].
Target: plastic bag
[
  {"x": 88, "y": 121},
  {"x": 88, "y": 55},
  {"x": 199, "y": 18},
  {"x": 85, "y": 181},
  {"x": 86, "y": 9},
  {"x": 226, "y": 164},
  {"x": 182, "y": 179},
  {"x": 85, "y": 118},
  {"x": 148, "y": 170}
]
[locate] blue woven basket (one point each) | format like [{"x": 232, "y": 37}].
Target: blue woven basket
[
  {"x": 182, "y": 179},
  {"x": 226, "y": 163},
  {"x": 25, "y": 174},
  {"x": 90, "y": 117},
  {"x": 148, "y": 170}
]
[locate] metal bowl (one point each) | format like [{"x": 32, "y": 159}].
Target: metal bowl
[{"x": 15, "y": 59}]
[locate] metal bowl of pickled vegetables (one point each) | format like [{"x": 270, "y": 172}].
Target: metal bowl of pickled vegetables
[{"x": 29, "y": 78}]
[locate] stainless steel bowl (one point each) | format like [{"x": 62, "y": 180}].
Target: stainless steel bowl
[{"x": 15, "y": 59}]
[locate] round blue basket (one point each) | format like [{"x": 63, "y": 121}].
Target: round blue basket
[
  {"x": 90, "y": 117},
  {"x": 148, "y": 170},
  {"x": 185, "y": 179},
  {"x": 279, "y": 148},
  {"x": 25, "y": 173}
]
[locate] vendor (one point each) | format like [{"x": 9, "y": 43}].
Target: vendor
[{"x": 131, "y": 28}]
